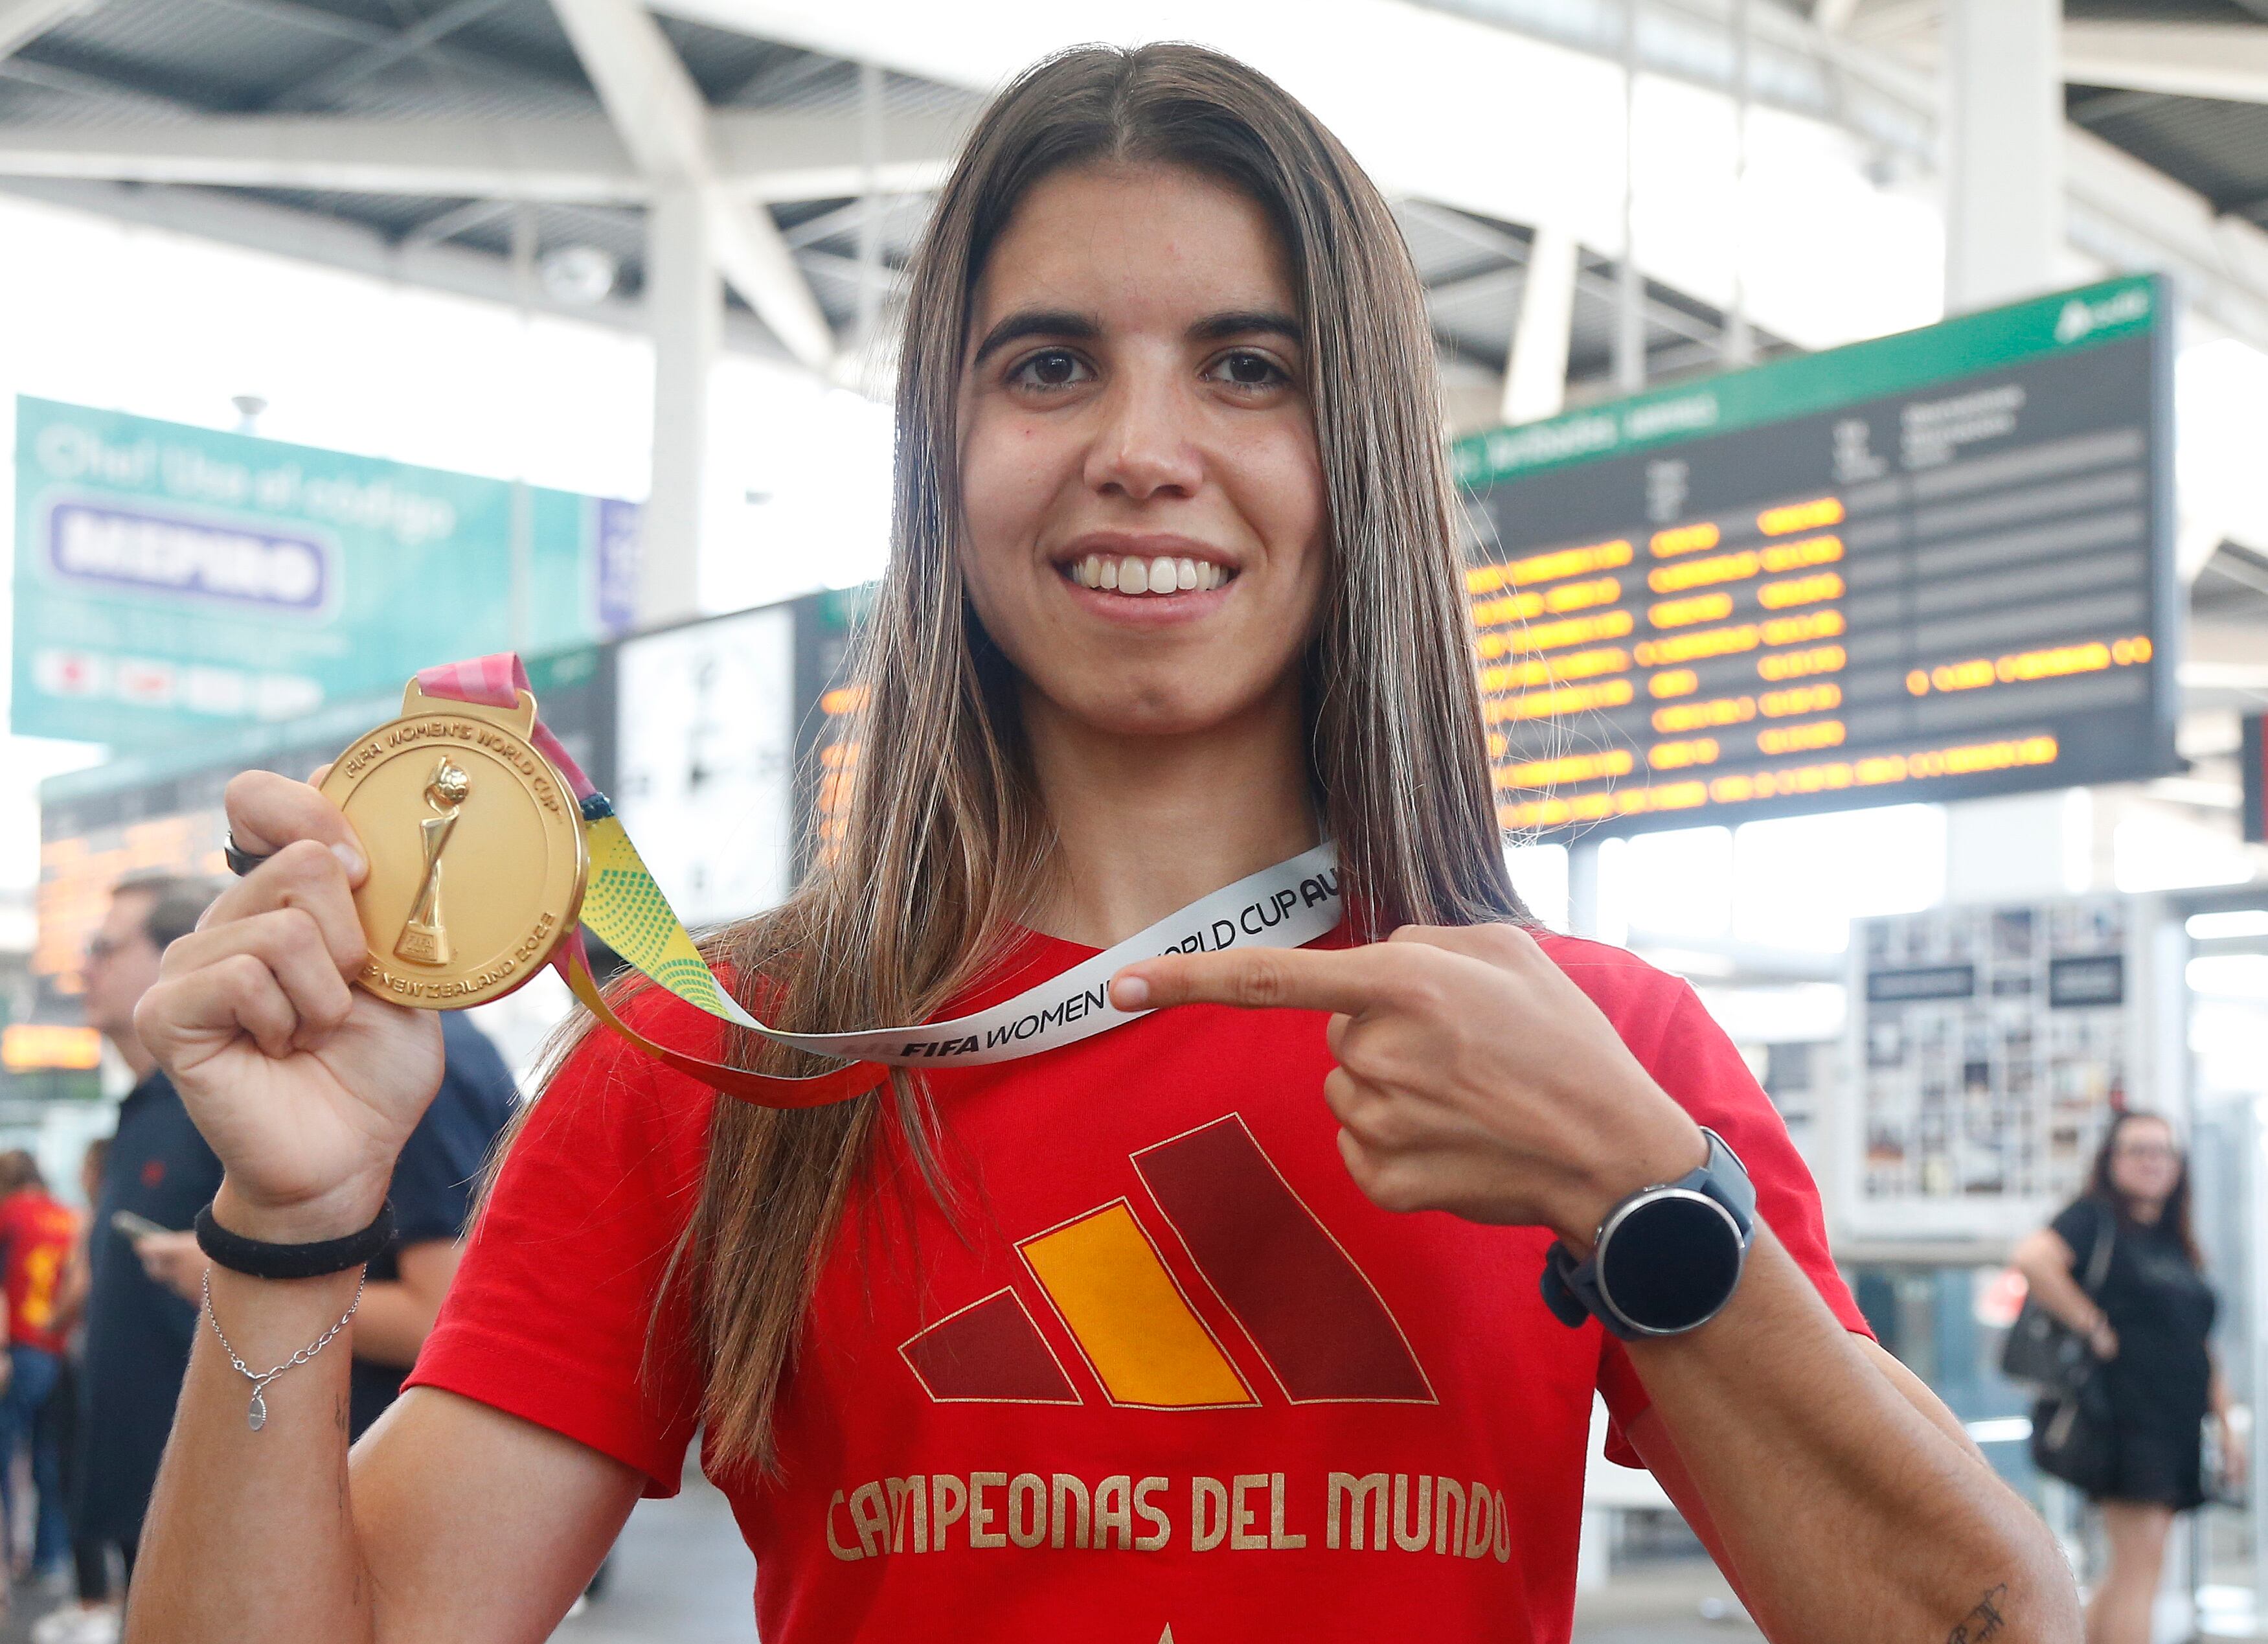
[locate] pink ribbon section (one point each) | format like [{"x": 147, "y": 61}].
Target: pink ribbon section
[{"x": 496, "y": 681}]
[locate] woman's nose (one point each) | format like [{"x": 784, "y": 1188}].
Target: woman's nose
[{"x": 1144, "y": 445}]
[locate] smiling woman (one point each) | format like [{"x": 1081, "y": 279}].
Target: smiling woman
[{"x": 1134, "y": 1337}]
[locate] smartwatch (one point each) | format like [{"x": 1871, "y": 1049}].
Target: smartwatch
[{"x": 1667, "y": 1259}]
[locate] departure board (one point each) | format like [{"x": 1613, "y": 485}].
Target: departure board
[{"x": 1928, "y": 567}]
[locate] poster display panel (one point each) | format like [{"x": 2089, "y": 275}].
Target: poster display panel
[{"x": 1990, "y": 1046}]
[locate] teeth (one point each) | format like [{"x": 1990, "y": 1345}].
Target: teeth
[{"x": 1163, "y": 574}]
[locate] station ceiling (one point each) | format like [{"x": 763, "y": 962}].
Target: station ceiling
[
  {"x": 123, "y": 71},
  {"x": 143, "y": 63}
]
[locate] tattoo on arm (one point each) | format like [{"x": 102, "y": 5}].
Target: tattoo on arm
[{"x": 1983, "y": 1622}]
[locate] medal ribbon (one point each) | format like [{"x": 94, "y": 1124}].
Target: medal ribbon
[{"x": 1284, "y": 906}]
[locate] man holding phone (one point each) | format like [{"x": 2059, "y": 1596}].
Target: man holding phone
[{"x": 159, "y": 1175}]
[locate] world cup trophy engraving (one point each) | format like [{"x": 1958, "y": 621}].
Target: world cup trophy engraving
[{"x": 425, "y": 940}]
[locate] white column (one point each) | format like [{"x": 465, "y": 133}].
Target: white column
[
  {"x": 2003, "y": 225},
  {"x": 2004, "y": 129},
  {"x": 685, "y": 310},
  {"x": 1583, "y": 887},
  {"x": 1536, "y": 376},
  {"x": 1629, "y": 284},
  {"x": 1740, "y": 336},
  {"x": 2020, "y": 845}
]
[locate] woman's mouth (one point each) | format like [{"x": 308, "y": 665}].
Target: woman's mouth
[{"x": 1150, "y": 576}]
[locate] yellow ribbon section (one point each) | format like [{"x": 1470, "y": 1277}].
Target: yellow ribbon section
[{"x": 625, "y": 908}]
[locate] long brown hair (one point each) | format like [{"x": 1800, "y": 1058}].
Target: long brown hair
[
  {"x": 946, "y": 847},
  {"x": 2174, "y": 1217}
]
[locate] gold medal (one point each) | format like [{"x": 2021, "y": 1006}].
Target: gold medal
[{"x": 475, "y": 845}]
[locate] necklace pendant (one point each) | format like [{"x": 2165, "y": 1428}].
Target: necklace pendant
[{"x": 256, "y": 1418}]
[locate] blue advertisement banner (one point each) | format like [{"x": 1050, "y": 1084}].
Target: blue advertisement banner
[{"x": 173, "y": 581}]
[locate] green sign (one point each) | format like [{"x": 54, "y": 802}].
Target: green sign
[
  {"x": 171, "y": 581},
  {"x": 2064, "y": 323}
]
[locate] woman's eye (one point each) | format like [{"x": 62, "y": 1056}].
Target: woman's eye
[
  {"x": 1244, "y": 369},
  {"x": 1051, "y": 368}
]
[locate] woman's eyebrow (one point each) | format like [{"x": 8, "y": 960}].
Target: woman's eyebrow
[
  {"x": 1245, "y": 322},
  {"x": 1056, "y": 322}
]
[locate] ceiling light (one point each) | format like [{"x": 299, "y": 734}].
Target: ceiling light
[{"x": 579, "y": 275}]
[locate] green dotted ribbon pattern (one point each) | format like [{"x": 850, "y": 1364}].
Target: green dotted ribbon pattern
[{"x": 625, "y": 908}]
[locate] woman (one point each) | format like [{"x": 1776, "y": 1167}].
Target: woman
[
  {"x": 1129, "y": 1339},
  {"x": 2148, "y": 1321}
]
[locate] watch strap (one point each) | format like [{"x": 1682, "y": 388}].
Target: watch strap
[{"x": 1571, "y": 1286}]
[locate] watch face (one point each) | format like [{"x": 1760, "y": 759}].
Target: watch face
[{"x": 1671, "y": 1261}]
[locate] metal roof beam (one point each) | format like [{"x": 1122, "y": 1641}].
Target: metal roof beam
[
  {"x": 2229, "y": 62},
  {"x": 2131, "y": 216},
  {"x": 1475, "y": 233},
  {"x": 549, "y": 159},
  {"x": 824, "y": 156},
  {"x": 658, "y": 113},
  {"x": 22, "y": 21},
  {"x": 445, "y": 225},
  {"x": 762, "y": 156},
  {"x": 335, "y": 243},
  {"x": 381, "y": 44},
  {"x": 377, "y": 57}
]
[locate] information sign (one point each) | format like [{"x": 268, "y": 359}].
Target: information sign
[
  {"x": 1922, "y": 567},
  {"x": 171, "y": 580}
]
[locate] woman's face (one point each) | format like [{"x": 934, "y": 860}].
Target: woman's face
[
  {"x": 2145, "y": 1163},
  {"x": 1145, "y": 518}
]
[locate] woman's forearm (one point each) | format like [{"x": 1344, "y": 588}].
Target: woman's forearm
[
  {"x": 391, "y": 1324},
  {"x": 249, "y": 1534},
  {"x": 2050, "y": 1282},
  {"x": 1846, "y": 1511}
]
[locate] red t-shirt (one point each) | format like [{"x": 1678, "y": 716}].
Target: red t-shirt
[
  {"x": 37, "y": 1235},
  {"x": 1173, "y": 1369}
]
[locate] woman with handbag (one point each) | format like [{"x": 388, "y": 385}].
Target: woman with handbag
[{"x": 2146, "y": 1311}]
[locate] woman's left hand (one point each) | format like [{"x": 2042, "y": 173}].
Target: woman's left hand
[
  {"x": 2235, "y": 1454},
  {"x": 1473, "y": 1076}
]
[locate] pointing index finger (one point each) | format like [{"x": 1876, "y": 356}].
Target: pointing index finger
[{"x": 1344, "y": 981}]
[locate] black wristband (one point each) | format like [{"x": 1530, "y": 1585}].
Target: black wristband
[{"x": 261, "y": 1260}]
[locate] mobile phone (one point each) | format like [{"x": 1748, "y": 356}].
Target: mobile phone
[{"x": 135, "y": 1226}]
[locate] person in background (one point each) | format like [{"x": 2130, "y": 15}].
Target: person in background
[
  {"x": 37, "y": 1238},
  {"x": 2151, "y": 1328},
  {"x": 432, "y": 1193},
  {"x": 158, "y": 1173},
  {"x": 58, "y": 1426}
]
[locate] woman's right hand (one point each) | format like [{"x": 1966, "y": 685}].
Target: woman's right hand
[
  {"x": 2103, "y": 1339},
  {"x": 304, "y": 1085}
]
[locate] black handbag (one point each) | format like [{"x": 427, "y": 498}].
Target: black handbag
[
  {"x": 2072, "y": 1437},
  {"x": 2044, "y": 1353}
]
